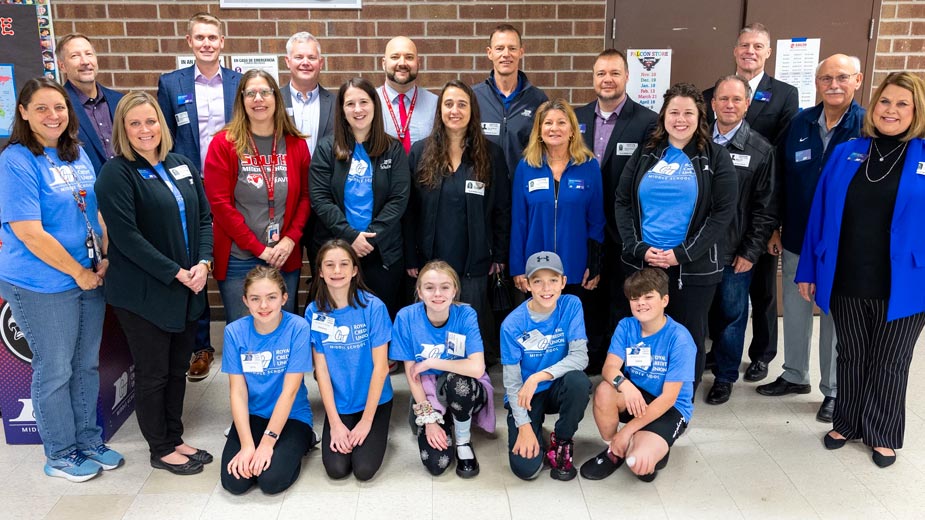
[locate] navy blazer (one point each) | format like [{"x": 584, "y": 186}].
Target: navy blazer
[
  {"x": 907, "y": 250},
  {"x": 87, "y": 133},
  {"x": 176, "y": 93},
  {"x": 770, "y": 117},
  {"x": 325, "y": 114},
  {"x": 634, "y": 126}
]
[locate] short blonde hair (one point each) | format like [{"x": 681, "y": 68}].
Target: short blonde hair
[
  {"x": 578, "y": 152},
  {"x": 204, "y": 18},
  {"x": 913, "y": 84},
  {"x": 120, "y": 142}
]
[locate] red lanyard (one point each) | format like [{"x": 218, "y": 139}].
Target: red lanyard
[
  {"x": 270, "y": 180},
  {"x": 399, "y": 129}
]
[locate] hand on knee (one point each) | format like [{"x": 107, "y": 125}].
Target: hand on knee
[{"x": 643, "y": 461}]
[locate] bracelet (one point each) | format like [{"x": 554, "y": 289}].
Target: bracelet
[
  {"x": 271, "y": 434},
  {"x": 422, "y": 409},
  {"x": 432, "y": 417}
]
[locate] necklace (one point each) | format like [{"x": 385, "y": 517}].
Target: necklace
[
  {"x": 882, "y": 156},
  {"x": 867, "y": 166}
]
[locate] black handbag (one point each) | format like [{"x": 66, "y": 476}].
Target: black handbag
[{"x": 500, "y": 293}]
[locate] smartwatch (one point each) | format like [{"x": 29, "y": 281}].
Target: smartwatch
[{"x": 617, "y": 381}]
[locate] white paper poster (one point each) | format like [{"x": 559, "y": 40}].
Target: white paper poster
[
  {"x": 185, "y": 61},
  {"x": 796, "y": 64},
  {"x": 266, "y": 62},
  {"x": 649, "y": 76}
]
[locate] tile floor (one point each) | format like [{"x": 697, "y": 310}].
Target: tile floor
[{"x": 754, "y": 457}]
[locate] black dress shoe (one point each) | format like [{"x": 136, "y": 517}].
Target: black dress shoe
[
  {"x": 466, "y": 468},
  {"x": 827, "y": 411},
  {"x": 201, "y": 456},
  {"x": 882, "y": 460},
  {"x": 756, "y": 371},
  {"x": 781, "y": 386},
  {"x": 831, "y": 443},
  {"x": 601, "y": 466},
  {"x": 720, "y": 393},
  {"x": 190, "y": 467}
]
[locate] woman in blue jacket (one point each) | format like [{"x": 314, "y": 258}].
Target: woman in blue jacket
[{"x": 872, "y": 279}]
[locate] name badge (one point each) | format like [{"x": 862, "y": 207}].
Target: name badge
[
  {"x": 639, "y": 356},
  {"x": 921, "y": 169},
  {"x": 289, "y": 112},
  {"x": 533, "y": 340},
  {"x": 763, "y": 95},
  {"x": 491, "y": 128},
  {"x": 182, "y": 118},
  {"x": 626, "y": 148},
  {"x": 322, "y": 323},
  {"x": 857, "y": 157},
  {"x": 538, "y": 184},
  {"x": 273, "y": 233},
  {"x": 146, "y": 173},
  {"x": 475, "y": 188},
  {"x": 456, "y": 344},
  {"x": 184, "y": 99},
  {"x": 255, "y": 363},
  {"x": 741, "y": 159},
  {"x": 181, "y": 172},
  {"x": 576, "y": 184},
  {"x": 582, "y": 127},
  {"x": 804, "y": 155}
]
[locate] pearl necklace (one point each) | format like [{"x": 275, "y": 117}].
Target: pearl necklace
[{"x": 867, "y": 166}]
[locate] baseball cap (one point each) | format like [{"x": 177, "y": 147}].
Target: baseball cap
[{"x": 544, "y": 260}]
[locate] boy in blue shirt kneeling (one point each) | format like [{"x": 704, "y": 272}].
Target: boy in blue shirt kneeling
[
  {"x": 647, "y": 384},
  {"x": 544, "y": 350}
]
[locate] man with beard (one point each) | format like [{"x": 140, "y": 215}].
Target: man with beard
[
  {"x": 613, "y": 126},
  {"x": 407, "y": 111},
  {"x": 93, "y": 103}
]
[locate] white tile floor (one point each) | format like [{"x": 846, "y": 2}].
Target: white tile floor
[{"x": 755, "y": 457}]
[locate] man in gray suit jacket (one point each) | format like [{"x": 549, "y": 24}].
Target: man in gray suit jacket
[
  {"x": 310, "y": 105},
  {"x": 613, "y": 127}
]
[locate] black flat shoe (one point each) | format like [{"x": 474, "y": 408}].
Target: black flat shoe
[
  {"x": 882, "y": 460},
  {"x": 826, "y": 412},
  {"x": 831, "y": 443},
  {"x": 781, "y": 386},
  {"x": 720, "y": 393},
  {"x": 466, "y": 468},
  {"x": 190, "y": 467},
  {"x": 201, "y": 456},
  {"x": 601, "y": 466},
  {"x": 756, "y": 371}
]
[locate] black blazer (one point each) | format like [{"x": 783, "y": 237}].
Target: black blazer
[
  {"x": 488, "y": 215},
  {"x": 86, "y": 133},
  {"x": 325, "y": 115},
  {"x": 146, "y": 245},
  {"x": 769, "y": 118},
  {"x": 634, "y": 125},
  {"x": 391, "y": 187}
]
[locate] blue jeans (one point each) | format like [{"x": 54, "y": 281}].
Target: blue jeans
[
  {"x": 64, "y": 332},
  {"x": 232, "y": 287},
  {"x": 731, "y": 302}
]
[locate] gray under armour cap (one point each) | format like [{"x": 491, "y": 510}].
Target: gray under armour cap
[{"x": 544, "y": 260}]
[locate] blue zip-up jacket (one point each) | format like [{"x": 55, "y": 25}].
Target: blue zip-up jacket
[
  {"x": 907, "y": 250},
  {"x": 799, "y": 174},
  {"x": 511, "y": 129},
  {"x": 540, "y": 221}
]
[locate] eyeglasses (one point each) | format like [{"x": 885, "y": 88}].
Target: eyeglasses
[
  {"x": 263, "y": 93},
  {"x": 841, "y": 78}
]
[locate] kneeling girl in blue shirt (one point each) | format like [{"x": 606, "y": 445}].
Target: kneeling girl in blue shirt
[
  {"x": 350, "y": 332},
  {"x": 648, "y": 384},
  {"x": 438, "y": 338},
  {"x": 265, "y": 356}
]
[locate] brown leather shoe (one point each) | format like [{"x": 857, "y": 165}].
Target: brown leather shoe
[{"x": 199, "y": 366}]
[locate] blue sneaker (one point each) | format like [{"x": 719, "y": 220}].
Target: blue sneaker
[
  {"x": 74, "y": 466},
  {"x": 104, "y": 456}
]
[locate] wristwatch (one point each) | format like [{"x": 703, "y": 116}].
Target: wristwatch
[
  {"x": 208, "y": 263},
  {"x": 272, "y": 434},
  {"x": 617, "y": 381}
]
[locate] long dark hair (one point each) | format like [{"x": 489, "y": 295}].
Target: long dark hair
[
  {"x": 68, "y": 146},
  {"x": 701, "y": 134},
  {"x": 377, "y": 143},
  {"x": 238, "y": 129},
  {"x": 320, "y": 293},
  {"x": 435, "y": 160}
]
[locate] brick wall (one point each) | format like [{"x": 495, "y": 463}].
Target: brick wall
[
  {"x": 901, "y": 38},
  {"x": 139, "y": 40}
]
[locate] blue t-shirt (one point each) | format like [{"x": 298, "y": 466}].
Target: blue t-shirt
[
  {"x": 537, "y": 346},
  {"x": 181, "y": 204},
  {"x": 668, "y": 194},
  {"x": 358, "y": 190},
  {"x": 286, "y": 350},
  {"x": 671, "y": 353},
  {"x": 415, "y": 338},
  {"x": 31, "y": 190},
  {"x": 347, "y": 347}
]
